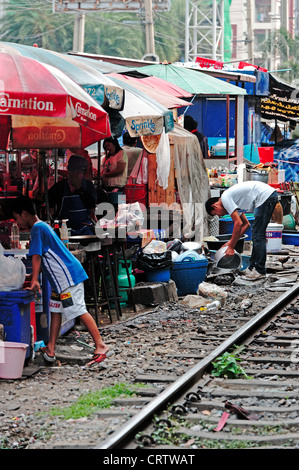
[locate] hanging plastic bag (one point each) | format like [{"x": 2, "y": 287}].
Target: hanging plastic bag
[
  {"x": 163, "y": 160},
  {"x": 12, "y": 272}
]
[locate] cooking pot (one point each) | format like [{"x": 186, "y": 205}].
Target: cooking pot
[{"x": 258, "y": 175}]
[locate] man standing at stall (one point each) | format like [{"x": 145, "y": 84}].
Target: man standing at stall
[
  {"x": 75, "y": 197},
  {"x": 251, "y": 196}
]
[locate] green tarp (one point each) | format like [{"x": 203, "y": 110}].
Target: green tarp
[{"x": 191, "y": 80}]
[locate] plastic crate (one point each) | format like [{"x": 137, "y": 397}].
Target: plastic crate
[
  {"x": 15, "y": 313},
  {"x": 187, "y": 274}
]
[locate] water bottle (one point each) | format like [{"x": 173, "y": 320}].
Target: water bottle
[
  {"x": 64, "y": 234},
  {"x": 15, "y": 236},
  {"x": 214, "y": 305}
]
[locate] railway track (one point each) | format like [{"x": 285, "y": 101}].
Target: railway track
[{"x": 198, "y": 410}]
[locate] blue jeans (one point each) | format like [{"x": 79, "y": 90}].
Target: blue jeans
[{"x": 262, "y": 216}]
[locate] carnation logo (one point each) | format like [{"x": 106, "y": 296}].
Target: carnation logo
[
  {"x": 7, "y": 103},
  {"x": 86, "y": 113},
  {"x": 47, "y": 135},
  {"x": 3, "y": 102}
]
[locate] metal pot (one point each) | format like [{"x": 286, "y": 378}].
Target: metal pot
[
  {"x": 227, "y": 262},
  {"x": 258, "y": 175}
]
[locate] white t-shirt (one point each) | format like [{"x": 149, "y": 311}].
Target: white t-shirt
[
  {"x": 246, "y": 196},
  {"x": 110, "y": 164}
]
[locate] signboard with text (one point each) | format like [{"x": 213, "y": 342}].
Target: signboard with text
[{"x": 114, "y": 6}]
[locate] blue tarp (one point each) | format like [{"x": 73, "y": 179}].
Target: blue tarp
[{"x": 286, "y": 155}]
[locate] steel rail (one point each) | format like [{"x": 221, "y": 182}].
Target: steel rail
[{"x": 125, "y": 432}]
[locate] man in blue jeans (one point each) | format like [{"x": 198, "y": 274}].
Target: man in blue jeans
[{"x": 251, "y": 196}]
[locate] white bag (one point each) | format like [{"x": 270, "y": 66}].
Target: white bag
[
  {"x": 212, "y": 291},
  {"x": 12, "y": 272},
  {"x": 163, "y": 160},
  {"x": 130, "y": 215},
  {"x": 155, "y": 246}
]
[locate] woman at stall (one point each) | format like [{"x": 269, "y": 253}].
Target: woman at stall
[{"x": 114, "y": 166}]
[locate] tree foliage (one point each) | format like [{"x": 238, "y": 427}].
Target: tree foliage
[
  {"x": 117, "y": 34},
  {"x": 286, "y": 50}
]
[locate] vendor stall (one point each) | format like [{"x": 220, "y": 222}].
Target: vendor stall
[{"x": 177, "y": 184}]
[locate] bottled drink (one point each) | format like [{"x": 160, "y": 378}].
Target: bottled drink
[
  {"x": 56, "y": 228},
  {"x": 15, "y": 236},
  {"x": 64, "y": 235}
]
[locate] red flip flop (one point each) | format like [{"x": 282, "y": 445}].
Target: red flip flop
[{"x": 97, "y": 358}]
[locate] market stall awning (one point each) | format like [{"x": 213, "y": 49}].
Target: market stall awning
[
  {"x": 103, "y": 66},
  {"x": 282, "y": 102},
  {"x": 193, "y": 81},
  {"x": 162, "y": 97},
  {"x": 143, "y": 115},
  {"x": 156, "y": 83},
  {"x": 41, "y": 107},
  {"x": 94, "y": 82}
]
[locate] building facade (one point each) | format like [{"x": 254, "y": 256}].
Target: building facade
[{"x": 255, "y": 25}]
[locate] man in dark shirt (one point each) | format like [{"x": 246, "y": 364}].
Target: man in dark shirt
[
  {"x": 74, "y": 198},
  {"x": 191, "y": 125}
]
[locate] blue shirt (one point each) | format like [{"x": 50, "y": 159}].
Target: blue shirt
[{"x": 60, "y": 267}]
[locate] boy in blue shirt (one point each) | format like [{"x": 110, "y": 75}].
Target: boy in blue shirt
[{"x": 64, "y": 273}]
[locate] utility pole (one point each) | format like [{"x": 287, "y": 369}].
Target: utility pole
[
  {"x": 250, "y": 32},
  {"x": 149, "y": 28},
  {"x": 79, "y": 31}
]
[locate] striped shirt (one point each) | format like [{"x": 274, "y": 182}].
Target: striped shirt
[{"x": 59, "y": 265}]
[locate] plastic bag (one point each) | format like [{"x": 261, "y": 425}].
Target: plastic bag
[
  {"x": 212, "y": 291},
  {"x": 154, "y": 261},
  {"x": 12, "y": 272},
  {"x": 163, "y": 160},
  {"x": 174, "y": 245},
  {"x": 155, "y": 246},
  {"x": 130, "y": 215}
]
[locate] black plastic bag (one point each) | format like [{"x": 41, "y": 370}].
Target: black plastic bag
[{"x": 154, "y": 261}]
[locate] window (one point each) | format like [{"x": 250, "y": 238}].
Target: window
[{"x": 262, "y": 10}]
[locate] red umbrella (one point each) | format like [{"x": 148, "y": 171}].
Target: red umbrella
[{"x": 43, "y": 108}]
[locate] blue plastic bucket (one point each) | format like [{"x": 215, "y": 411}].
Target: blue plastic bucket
[
  {"x": 187, "y": 274},
  {"x": 159, "y": 275},
  {"x": 226, "y": 225},
  {"x": 290, "y": 238},
  {"x": 15, "y": 316}
]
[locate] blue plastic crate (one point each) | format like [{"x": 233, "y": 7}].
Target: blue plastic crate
[
  {"x": 187, "y": 274},
  {"x": 15, "y": 316}
]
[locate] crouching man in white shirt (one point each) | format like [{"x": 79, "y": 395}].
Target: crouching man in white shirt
[{"x": 251, "y": 196}]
